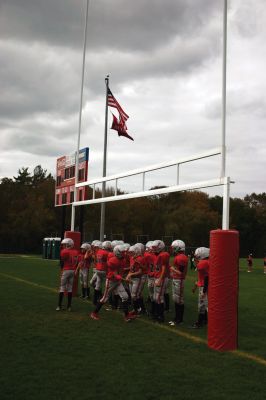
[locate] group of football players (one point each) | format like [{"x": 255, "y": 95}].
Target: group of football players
[{"x": 120, "y": 272}]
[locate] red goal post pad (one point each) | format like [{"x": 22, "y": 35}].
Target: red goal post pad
[{"x": 223, "y": 290}]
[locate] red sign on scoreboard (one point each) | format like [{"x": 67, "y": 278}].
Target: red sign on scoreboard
[{"x": 65, "y": 178}]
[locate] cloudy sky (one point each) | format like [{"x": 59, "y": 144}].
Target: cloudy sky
[{"x": 165, "y": 64}]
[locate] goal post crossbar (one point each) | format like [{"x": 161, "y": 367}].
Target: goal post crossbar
[
  {"x": 222, "y": 181},
  {"x": 154, "y": 192}
]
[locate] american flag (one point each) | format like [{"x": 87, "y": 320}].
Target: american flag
[{"x": 112, "y": 102}]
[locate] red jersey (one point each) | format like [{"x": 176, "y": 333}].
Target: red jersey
[
  {"x": 203, "y": 271},
  {"x": 114, "y": 266},
  {"x": 85, "y": 262},
  {"x": 110, "y": 255},
  {"x": 180, "y": 263},
  {"x": 162, "y": 259},
  {"x": 150, "y": 263},
  {"x": 136, "y": 265},
  {"x": 101, "y": 260},
  {"x": 69, "y": 258}
]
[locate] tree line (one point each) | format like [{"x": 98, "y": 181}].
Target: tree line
[{"x": 29, "y": 215}]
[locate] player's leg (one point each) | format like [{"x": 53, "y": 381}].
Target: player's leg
[
  {"x": 201, "y": 309},
  {"x": 62, "y": 289},
  {"x": 70, "y": 280},
  {"x": 121, "y": 292}
]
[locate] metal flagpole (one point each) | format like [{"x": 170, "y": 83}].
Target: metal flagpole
[
  {"x": 80, "y": 116},
  {"x": 226, "y": 195},
  {"x": 104, "y": 161}
]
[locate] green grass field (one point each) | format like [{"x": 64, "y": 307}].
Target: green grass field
[{"x": 50, "y": 355}]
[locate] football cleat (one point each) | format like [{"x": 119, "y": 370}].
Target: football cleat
[
  {"x": 129, "y": 317},
  {"x": 58, "y": 308},
  {"x": 68, "y": 309},
  {"x": 95, "y": 316},
  {"x": 172, "y": 323}
]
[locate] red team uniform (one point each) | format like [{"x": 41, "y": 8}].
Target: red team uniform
[
  {"x": 178, "y": 274},
  {"x": 69, "y": 260}
]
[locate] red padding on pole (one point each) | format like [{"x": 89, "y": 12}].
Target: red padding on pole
[
  {"x": 223, "y": 290},
  {"x": 76, "y": 237}
]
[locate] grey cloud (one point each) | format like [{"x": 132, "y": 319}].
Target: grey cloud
[{"x": 127, "y": 25}]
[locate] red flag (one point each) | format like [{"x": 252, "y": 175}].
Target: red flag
[{"x": 120, "y": 127}]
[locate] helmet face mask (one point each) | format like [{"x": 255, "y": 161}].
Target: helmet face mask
[{"x": 148, "y": 245}]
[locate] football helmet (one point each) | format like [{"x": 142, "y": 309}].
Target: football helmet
[
  {"x": 178, "y": 245},
  {"x": 158, "y": 246},
  {"x": 141, "y": 247},
  {"x": 69, "y": 243},
  {"x": 114, "y": 243},
  {"x": 119, "y": 250},
  {"x": 86, "y": 246},
  {"x": 107, "y": 245},
  {"x": 148, "y": 245},
  {"x": 201, "y": 253}
]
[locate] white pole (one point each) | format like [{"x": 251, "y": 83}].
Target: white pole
[
  {"x": 102, "y": 222},
  {"x": 223, "y": 164},
  {"x": 80, "y": 117}
]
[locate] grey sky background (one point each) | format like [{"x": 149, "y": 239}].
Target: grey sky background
[{"x": 165, "y": 64}]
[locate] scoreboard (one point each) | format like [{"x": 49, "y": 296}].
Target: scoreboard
[{"x": 65, "y": 178}]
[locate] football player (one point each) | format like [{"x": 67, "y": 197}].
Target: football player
[
  {"x": 178, "y": 274},
  {"x": 114, "y": 284},
  {"x": 202, "y": 264},
  {"x": 150, "y": 262},
  {"x": 69, "y": 258},
  {"x": 101, "y": 268},
  {"x": 161, "y": 275},
  {"x": 84, "y": 262}
]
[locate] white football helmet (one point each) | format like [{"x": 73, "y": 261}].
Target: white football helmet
[
  {"x": 126, "y": 246},
  {"x": 98, "y": 244},
  {"x": 158, "y": 246},
  {"x": 148, "y": 245},
  {"x": 69, "y": 243},
  {"x": 118, "y": 251},
  {"x": 134, "y": 251},
  {"x": 141, "y": 247},
  {"x": 201, "y": 253},
  {"x": 178, "y": 245},
  {"x": 107, "y": 245},
  {"x": 86, "y": 246},
  {"x": 120, "y": 241},
  {"x": 114, "y": 243}
]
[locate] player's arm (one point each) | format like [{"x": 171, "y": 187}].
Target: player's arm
[{"x": 159, "y": 280}]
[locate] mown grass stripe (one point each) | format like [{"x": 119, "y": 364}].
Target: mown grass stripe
[{"x": 195, "y": 339}]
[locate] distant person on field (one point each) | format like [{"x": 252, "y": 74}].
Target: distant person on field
[
  {"x": 69, "y": 259},
  {"x": 250, "y": 262},
  {"x": 264, "y": 262}
]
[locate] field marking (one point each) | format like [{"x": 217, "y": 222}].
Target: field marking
[
  {"x": 195, "y": 339},
  {"x": 15, "y": 278}
]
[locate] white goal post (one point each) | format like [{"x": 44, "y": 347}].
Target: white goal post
[{"x": 221, "y": 181}]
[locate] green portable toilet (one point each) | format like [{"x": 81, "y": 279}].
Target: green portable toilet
[
  {"x": 49, "y": 247},
  {"x": 56, "y": 242},
  {"x": 44, "y": 247}
]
